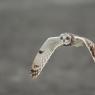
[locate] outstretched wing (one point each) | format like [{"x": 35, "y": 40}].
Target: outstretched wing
[
  {"x": 44, "y": 54},
  {"x": 88, "y": 43}
]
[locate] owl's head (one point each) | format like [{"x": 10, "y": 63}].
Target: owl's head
[{"x": 66, "y": 38}]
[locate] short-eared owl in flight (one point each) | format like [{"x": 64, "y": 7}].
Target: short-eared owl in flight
[{"x": 52, "y": 43}]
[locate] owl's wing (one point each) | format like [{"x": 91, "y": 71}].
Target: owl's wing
[
  {"x": 44, "y": 54},
  {"x": 88, "y": 43}
]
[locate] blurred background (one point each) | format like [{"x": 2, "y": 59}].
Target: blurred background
[{"x": 24, "y": 26}]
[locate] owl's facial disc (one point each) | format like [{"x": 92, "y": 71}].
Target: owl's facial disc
[{"x": 66, "y": 38}]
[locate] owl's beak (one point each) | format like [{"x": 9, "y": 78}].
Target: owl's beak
[{"x": 67, "y": 44}]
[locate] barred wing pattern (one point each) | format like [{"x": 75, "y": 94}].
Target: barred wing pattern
[
  {"x": 44, "y": 54},
  {"x": 89, "y": 44}
]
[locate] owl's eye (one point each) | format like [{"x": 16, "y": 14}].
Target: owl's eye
[
  {"x": 61, "y": 38},
  {"x": 67, "y": 38}
]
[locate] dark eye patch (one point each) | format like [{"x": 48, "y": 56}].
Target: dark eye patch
[
  {"x": 40, "y": 51},
  {"x": 67, "y": 38},
  {"x": 61, "y": 38}
]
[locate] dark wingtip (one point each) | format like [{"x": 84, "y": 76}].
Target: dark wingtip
[{"x": 34, "y": 73}]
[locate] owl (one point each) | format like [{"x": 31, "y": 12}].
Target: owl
[{"x": 52, "y": 43}]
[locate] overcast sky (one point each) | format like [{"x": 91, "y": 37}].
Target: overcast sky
[{"x": 30, "y": 3}]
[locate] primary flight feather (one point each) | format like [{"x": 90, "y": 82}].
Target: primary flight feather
[{"x": 52, "y": 43}]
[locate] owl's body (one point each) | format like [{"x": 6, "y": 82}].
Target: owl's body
[{"x": 52, "y": 43}]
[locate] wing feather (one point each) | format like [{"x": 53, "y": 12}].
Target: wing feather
[
  {"x": 89, "y": 44},
  {"x": 44, "y": 55}
]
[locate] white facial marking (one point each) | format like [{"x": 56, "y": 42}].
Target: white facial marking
[{"x": 66, "y": 38}]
